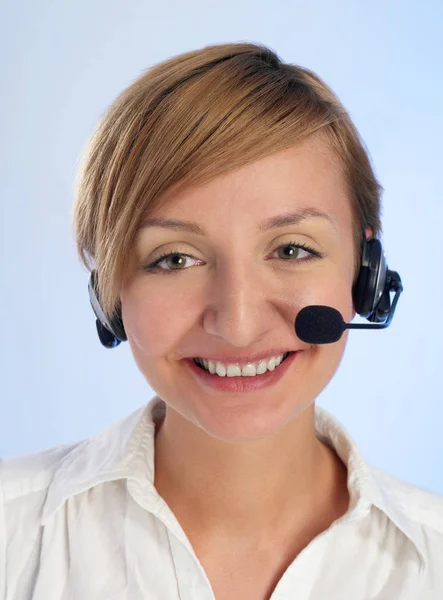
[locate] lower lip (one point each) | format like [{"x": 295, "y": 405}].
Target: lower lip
[{"x": 235, "y": 385}]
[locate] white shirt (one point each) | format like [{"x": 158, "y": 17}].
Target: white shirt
[{"x": 83, "y": 521}]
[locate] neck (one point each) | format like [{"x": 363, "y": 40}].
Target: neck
[{"x": 252, "y": 489}]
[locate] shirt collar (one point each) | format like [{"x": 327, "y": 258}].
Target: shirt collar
[{"x": 126, "y": 451}]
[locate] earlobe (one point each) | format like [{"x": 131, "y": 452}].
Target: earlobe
[{"x": 369, "y": 233}]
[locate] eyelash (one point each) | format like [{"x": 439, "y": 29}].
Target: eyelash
[{"x": 154, "y": 268}]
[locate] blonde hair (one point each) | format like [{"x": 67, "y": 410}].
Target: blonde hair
[{"x": 190, "y": 119}]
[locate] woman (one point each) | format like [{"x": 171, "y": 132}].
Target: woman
[{"x": 222, "y": 192}]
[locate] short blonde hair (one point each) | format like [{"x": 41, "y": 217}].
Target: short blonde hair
[{"x": 190, "y": 119}]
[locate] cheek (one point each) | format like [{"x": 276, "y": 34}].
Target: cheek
[
  {"x": 334, "y": 290},
  {"x": 154, "y": 321},
  {"x": 319, "y": 366}
]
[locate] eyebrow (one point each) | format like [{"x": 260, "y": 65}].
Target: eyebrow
[{"x": 289, "y": 218}]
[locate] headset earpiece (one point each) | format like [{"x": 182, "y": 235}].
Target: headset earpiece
[
  {"x": 110, "y": 331},
  {"x": 374, "y": 282}
]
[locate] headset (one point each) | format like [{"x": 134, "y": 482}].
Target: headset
[{"x": 371, "y": 295}]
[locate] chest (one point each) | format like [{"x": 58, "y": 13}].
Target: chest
[
  {"x": 246, "y": 580},
  {"x": 247, "y": 573}
]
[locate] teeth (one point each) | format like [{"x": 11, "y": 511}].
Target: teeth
[{"x": 249, "y": 370}]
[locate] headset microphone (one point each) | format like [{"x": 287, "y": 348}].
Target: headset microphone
[{"x": 315, "y": 324}]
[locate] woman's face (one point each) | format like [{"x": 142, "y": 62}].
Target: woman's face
[{"x": 243, "y": 287}]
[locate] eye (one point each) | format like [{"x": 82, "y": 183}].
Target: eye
[
  {"x": 294, "y": 255},
  {"x": 180, "y": 257}
]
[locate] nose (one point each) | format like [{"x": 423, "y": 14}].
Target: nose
[{"x": 243, "y": 305}]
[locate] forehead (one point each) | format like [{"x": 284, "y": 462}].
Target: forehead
[{"x": 305, "y": 178}]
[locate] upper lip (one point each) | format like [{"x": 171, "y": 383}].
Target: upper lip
[{"x": 243, "y": 360}]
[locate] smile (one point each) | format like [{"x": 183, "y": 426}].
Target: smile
[
  {"x": 248, "y": 370},
  {"x": 239, "y": 383}
]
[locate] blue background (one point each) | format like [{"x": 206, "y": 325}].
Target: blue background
[{"x": 63, "y": 63}]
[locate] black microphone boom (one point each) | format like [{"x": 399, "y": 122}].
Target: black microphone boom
[{"x": 318, "y": 324}]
